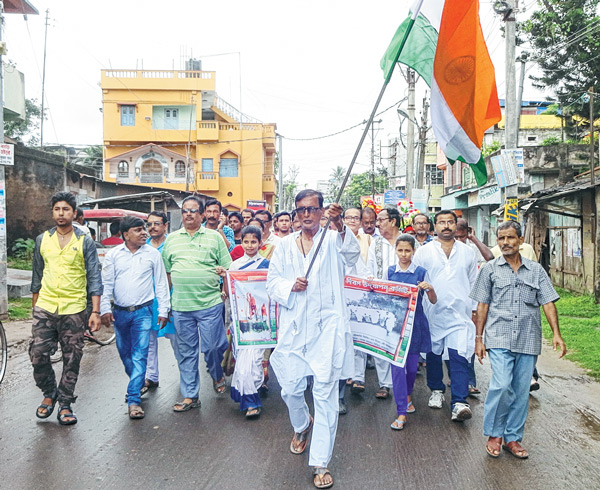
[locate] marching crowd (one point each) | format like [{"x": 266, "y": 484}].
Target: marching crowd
[{"x": 473, "y": 302}]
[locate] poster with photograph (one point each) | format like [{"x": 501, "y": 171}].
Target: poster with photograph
[
  {"x": 253, "y": 314},
  {"x": 381, "y": 317}
]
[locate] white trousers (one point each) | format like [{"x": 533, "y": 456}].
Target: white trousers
[
  {"x": 383, "y": 368},
  {"x": 325, "y": 396}
]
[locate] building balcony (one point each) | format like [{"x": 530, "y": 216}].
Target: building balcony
[
  {"x": 157, "y": 79},
  {"x": 208, "y": 131},
  {"x": 269, "y": 136},
  {"x": 268, "y": 184},
  {"x": 207, "y": 181}
]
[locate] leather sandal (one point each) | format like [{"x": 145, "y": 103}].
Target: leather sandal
[
  {"x": 515, "y": 448},
  {"x": 494, "y": 446},
  {"x": 300, "y": 439},
  {"x": 318, "y": 475}
]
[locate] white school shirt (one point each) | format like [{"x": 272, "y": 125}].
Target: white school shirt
[
  {"x": 450, "y": 320},
  {"x": 134, "y": 279},
  {"x": 314, "y": 325}
]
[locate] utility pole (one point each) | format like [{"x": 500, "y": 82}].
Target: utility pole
[
  {"x": 44, "y": 82},
  {"x": 592, "y": 164},
  {"x": 410, "y": 135},
  {"x": 280, "y": 170},
  {"x": 3, "y": 258},
  {"x": 510, "y": 113},
  {"x": 373, "y": 158},
  {"x": 422, "y": 143},
  {"x": 520, "y": 98}
]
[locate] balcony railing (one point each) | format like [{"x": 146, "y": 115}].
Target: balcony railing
[{"x": 204, "y": 75}]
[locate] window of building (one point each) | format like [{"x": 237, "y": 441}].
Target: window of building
[
  {"x": 531, "y": 138},
  {"x": 228, "y": 167},
  {"x": 127, "y": 115},
  {"x": 207, "y": 165},
  {"x": 171, "y": 118},
  {"x": 433, "y": 175},
  {"x": 180, "y": 169},
  {"x": 123, "y": 169}
]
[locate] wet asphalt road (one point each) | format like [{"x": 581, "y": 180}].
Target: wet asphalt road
[{"x": 216, "y": 448}]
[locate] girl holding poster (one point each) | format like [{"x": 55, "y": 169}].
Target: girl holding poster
[
  {"x": 248, "y": 374},
  {"x": 403, "y": 378}
]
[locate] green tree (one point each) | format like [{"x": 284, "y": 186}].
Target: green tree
[
  {"x": 290, "y": 187},
  {"x": 361, "y": 185},
  {"x": 335, "y": 182},
  {"x": 27, "y": 130}
]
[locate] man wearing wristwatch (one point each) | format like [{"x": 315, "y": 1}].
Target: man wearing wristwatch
[{"x": 65, "y": 268}]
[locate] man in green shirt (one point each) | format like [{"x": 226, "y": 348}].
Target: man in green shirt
[{"x": 192, "y": 256}]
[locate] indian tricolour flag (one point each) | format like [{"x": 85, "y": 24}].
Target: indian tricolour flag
[{"x": 445, "y": 45}]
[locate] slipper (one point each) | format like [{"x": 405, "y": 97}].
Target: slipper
[
  {"x": 62, "y": 416},
  {"x": 473, "y": 390},
  {"x": 219, "y": 386},
  {"x": 349, "y": 382},
  {"x": 135, "y": 412},
  {"x": 300, "y": 439},
  {"x": 410, "y": 408},
  {"x": 357, "y": 388},
  {"x": 383, "y": 393},
  {"x": 49, "y": 408},
  {"x": 184, "y": 406},
  {"x": 148, "y": 385},
  {"x": 253, "y": 413},
  {"x": 515, "y": 448},
  {"x": 318, "y": 474},
  {"x": 493, "y": 445},
  {"x": 398, "y": 424}
]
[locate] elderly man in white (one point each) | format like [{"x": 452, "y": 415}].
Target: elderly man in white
[
  {"x": 452, "y": 268},
  {"x": 314, "y": 332}
]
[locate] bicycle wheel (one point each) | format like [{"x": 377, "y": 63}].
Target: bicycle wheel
[
  {"x": 104, "y": 336},
  {"x": 3, "y": 352}
]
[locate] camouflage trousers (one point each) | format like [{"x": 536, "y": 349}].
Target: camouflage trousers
[{"x": 48, "y": 329}]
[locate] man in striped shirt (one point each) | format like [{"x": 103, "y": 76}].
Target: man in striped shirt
[{"x": 192, "y": 256}]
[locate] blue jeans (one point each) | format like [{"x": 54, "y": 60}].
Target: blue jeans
[
  {"x": 459, "y": 380},
  {"x": 132, "y": 329},
  {"x": 507, "y": 400},
  {"x": 209, "y": 323}
]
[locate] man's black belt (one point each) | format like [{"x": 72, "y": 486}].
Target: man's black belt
[{"x": 133, "y": 308}]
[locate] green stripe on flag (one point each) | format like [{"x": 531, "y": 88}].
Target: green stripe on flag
[
  {"x": 479, "y": 170},
  {"x": 419, "y": 51}
]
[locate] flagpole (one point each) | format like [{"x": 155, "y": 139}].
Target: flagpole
[{"x": 366, "y": 130}]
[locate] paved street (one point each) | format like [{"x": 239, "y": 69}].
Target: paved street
[{"x": 216, "y": 448}]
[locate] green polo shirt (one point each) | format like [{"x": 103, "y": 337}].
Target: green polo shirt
[{"x": 191, "y": 261}]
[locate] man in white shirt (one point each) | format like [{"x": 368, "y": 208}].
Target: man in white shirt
[
  {"x": 267, "y": 220},
  {"x": 133, "y": 274},
  {"x": 452, "y": 267}
]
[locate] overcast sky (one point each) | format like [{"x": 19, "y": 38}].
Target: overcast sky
[{"x": 311, "y": 67}]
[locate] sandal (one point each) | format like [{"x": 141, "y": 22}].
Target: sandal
[
  {"x": 148, "y": 385},
  {"x": 253, "y": 413},
  {"x": 219, "y": 386},
  {"x": 300, "y": 439},
  {"x": 383, "y": 393},
  {"x": 473, "y": 390},
  {"x": 398, "y": 424},
  {"x": 410, "y": 408},
  {"x": 318, "y": 476},
  {"x": 516, "y": 449},
  {"x": 135, "y": 412},
  {"x": 493, "y": 446},
  {"x": 69, "y": 415},
  {"x": 349, "y": 382},
  {"x": 357, "y": 387},
  {"x": 48, "y": 407},
  {"x": 184, "y": 406}
]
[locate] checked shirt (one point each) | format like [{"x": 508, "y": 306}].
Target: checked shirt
[{"x": 514, "y": 300}]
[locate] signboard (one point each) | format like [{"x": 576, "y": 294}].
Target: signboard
[
  {"x": 256, "y": 205},
  {"x": 511, "y": 210},
  {"x": 420, "y": 197},
  {"x": 392, "y": 197},
  {"x": 489, "y": 195},
  {"x": 514, "y": 161},
  {"x": 253, "y": 314},
  {"x": 381, "y": 317},
  {"x": 505, "y": 167},
  {"x": 7, "y": 154}
]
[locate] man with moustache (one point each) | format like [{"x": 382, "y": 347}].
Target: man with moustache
[
  {"x": 284, "y": 224},
  {"x": 368, "y": 222},
  {"x": 134, "y": 263},
  {"x": 192, "y": 256},
  {"x": 421, "y": 224},
  {"x": 216, "y": 220},
  {"x": 452, "y": 267},
  {"x": 236, "y": 223}
]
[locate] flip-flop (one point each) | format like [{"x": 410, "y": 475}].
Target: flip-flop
[
  {"x": 253, "y": 413},
  {"x": 514, "y": 448},
  {"x": 219, "y": 386},
  {"x": 302, "y": 438},
  {"x": 184, "y": 406},
  {"x": 494, "y": 446},
  {"x": 410, "y": 408},
  {"x": 383, "y": 393},
  {"x": 321, "y": 472},
  {"x": 400, "y": 426},
  {"x": 357, "y": 387},
  {"x": 135, "y": 412}
]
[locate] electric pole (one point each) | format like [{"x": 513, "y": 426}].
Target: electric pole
[
  {"x": 44, "y": 82},
  {"x": 422, "y": 143},
  {"x": 280, "y": 171},
  {"x": 373, "y": 157},
  {"x": 511, "y": 109},
  {"x": 410, "y": 135},
  {"x": 592, "y": 164},
  {"x": 3, "y": 258}
]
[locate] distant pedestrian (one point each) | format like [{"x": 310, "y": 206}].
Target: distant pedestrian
[
  {"x": 247, "y": 214},
  {"x": 133, "y": 273},
  {"x": 284, "y": 223},
  {"x": 217, "y": 221},
  {"x": 65, "y": 269},
  {"x": 115, "y": 235},
  {"x": 236, "y": 223},
  {"x": 421, "y": 224},
  {"x": 510, "y": 291}
]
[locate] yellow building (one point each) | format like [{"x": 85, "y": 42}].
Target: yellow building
[{"x": 169, "y": 129}]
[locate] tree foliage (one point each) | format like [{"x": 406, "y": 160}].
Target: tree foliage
[
  {"x": 565, "y": 39},
  {"x": 26, "y": 131}
]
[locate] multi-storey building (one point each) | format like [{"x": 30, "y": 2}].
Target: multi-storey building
[{"x": 169, "y": 129}]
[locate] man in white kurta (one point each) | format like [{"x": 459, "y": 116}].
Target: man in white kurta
[
  {"x": 452, "y": 267},
  {"x": 314, "y": 333}
]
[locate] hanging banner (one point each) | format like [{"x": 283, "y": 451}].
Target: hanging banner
[
  {"x": 7, "y": 154},
  {"x": 511, "y": 210},
  {"x": 253, "y": 314},
  {"x": 381, "y": 317}
]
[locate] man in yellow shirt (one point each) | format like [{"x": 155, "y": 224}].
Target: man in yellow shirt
[{"x": 65, "y": 271}]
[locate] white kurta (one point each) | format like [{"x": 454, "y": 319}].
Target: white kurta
[
  {"x": 314, "y": 327},
  {"x": 450, "y": 321}
]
